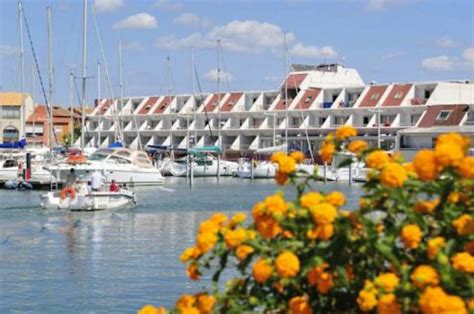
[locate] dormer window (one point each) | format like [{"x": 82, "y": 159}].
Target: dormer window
[
  {"x": 443, "y": 115},
  {"x": 375, "y": 96},
  {"x": 309, "y": 98},
  {"x": 398, "y": 95}
]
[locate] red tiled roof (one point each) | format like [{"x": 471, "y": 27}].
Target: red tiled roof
[
  {"x": 164, "y": 103},
  {"x": 294, "y": 80},
  {"x": 60, "y": 115},
  {"x": 402, "y": 90},
  {"x": 148, "y": 105},
  {"x": 368, "y": 101},
  {"x": 281, "y": 104},
  {"x": 308, "y": 98},
  {"x": 430, "y": 118},
  {"x": 212, "y": 103},
  {"x": 231, "y": 101}
]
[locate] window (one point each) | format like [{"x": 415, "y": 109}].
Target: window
[
  {"x": 309, "y": 98},
  {"x": 366, "y": 120},
  {"x": 375, "y": 96},
  {"x": 427, "y": 94},
  {"x": 414, "y": 119},
  {"x": 398, "y": 95},
  {"x": 443, "y": 115},
  {"x": 12, "y": 112},
  {"x": 321, "y": 120}
]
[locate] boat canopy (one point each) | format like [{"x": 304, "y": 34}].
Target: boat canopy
[
  {"x": 272, "y": 149},
  {"x": 116, "y": 145},
  {"x": 20, "y": 144},
  {"x": 205, "y": 150},
  {"x": 159, "y": 147}
]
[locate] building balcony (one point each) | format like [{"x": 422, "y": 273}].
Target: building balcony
[{"x": 417, "y": 101}]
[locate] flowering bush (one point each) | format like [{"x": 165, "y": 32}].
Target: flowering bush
[{"x": 408, "y": 247}]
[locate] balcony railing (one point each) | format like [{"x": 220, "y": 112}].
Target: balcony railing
[{"x": 326, "y": 104}]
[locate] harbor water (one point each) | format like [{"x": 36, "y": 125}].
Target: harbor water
[{"x": 115, "y": 261}]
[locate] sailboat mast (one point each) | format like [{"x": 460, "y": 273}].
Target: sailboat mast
[
  {"x": 218, "y": 95},
  {"x": 98, "y": 101},
  {"x": 34, "y": 102},
  {"x": 286, "y": 92},
  {"x": 50, "y": 45},
  {"x": 71, "y": 103},
  {"x": 22, "y": 65},
  {"x": 194, "y": 96},
  {"x": 121, "y": 84},
  {"x": 168, "y": 70},
  {"x": 84, "y": 73}
]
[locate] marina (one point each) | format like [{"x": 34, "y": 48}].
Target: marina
[{"x": 114, "y": 260}]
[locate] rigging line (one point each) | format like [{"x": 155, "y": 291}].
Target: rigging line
[
  {"x": 37, "y": 69},
  {"x": 201, "y": 98},
  {"x": 107, "y": 76},
  {"x": 79, "y": 99},
  {"x": 225, "y": 70}
]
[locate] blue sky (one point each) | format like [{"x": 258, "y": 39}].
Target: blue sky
[{"x": 385, "y": 40}]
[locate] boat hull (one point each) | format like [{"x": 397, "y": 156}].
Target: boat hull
[{"x": 89, "y": 202}]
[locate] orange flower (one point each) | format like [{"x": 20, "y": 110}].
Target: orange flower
[
  {"x": 193, "y": 272},
  {"x": 327, "y": 152},
  {"x": 206, "y": 241},
  {"x": 238, "y": 218},
  {"x": 388, "y": 305},
  {"x": 454, "y": 197},
  {"x": 268, "y": 227},
  {"x": 243, "y": 251},
  {"x": 297, "y": 156},
  {"x": 208, "y": 226},
  {"x": 151, "y": 309},
  {"x": 463, "y": 262},
  {"x": 323, "y": 213},
  {"x": 434, "y": 300},
  {"x": 345, "y": 131},
  {"x": 317, "y": 276},
  {"x": 434, "y": 245},
  {"x": 411, "y": 236},
  {"x": 287, "y": 264},
  {"x": 377, "y": 159},
  {"x": 469, "y": 247},
  {"x": 281, "y": 178},
  {"x": 426, "y": 166},
  {"x": 185, "y": 301},
  {"x": 427, "y": 207},
  {"x": 186, "y": 255},
  {"x": 219, "y": 219},
  {"x": 425, "y": 275},
  {"x": 367, "y": 300},
  {"x": 358, "y": 146},
  {"x": 261, "y": 271},
  {"x": 324, "y": 232},
  {"x": 393, "y": 175},
  {"x": 311, "y": 199},
  {"x": 276, "y": 204},
  {"x": 299, "y": 305},
  {"x": 336, "y": 198},
  {"x": 234, "y": 238},
  {"x": 464, "y": 224},
  {"x": 449, "y": 154},
  {"x": 466, "y": 167},
  {"x": 454, "y": 138},
  {"x": 387, "y": 281},
  {"x": 206, "y": 303}
]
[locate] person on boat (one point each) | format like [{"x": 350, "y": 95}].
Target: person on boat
[
  {"x": 96, "y": 181},
  {"x": 89, "y": 187},
  {"x": 70, "y": 179},
  {"x": 114, "y": 187}
]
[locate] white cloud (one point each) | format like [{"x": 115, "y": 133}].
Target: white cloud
[
  {"x": 301, "y": 50},
  {"x": 468, "y": 54},
  {"x": 445, "y": 42},
  {"x": 132, "y": 45},
  {"x": 212, "y": 75},
  {"x": 441, "y": 63},
  {"x": 195, "y": 40},
  {"x": 107, "y": 5},
  {"x": 168, "y": 5},
  {"x": 377, "y": 5},
  {"x": 190, "y": 19},
  {"x": 141, "y": 20},
  {"x": 7, "y": 51}
]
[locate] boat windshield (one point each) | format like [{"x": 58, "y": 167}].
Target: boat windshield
[{"x": 100, "y": 154}]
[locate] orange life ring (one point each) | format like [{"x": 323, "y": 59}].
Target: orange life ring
[
  {"x": 68, "y": 190},
  {"x": 76, "y": 159}
]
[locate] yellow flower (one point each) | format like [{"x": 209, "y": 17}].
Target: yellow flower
[
  {"x": 218, "y": 218},
  {"x": 393, "y": 175},
  {"x": 388, "y": 305},
  {"x": 208, "y": 226},
  {"x": 411, "y": 236},
  {"x": 287, "y": 264},
  {"x": 193, "y": 272},
  {"x": 243, "y": 251},
  {"x": 186, "y": 255},
  {"x": 185, "y": 301},
  {"x": 466, "y": 167},
  {"x": 234, "y": 238},
  {"x": 189, "y": 310},
  {"x": 434, "y": 245},
  {"x": 454, "y": 197},
  {"x": 151, "y": 309},
  {"x": 434, "y": 301},
  {"x": 297, "y": 156},
  {"x": 275, "y": 204},
  {"x": 464, "y": 224},
  {"x": 238, "y": 218},
  {"x": 276, "y": 157},
  {"x": 427, "y": 207},
  {"x": 345, "y": 131},
  {"x": 387, "y": 281},
  {"x": 261, "y": 271},
  {"x": 206, "y": 303},
  {"x": 448, "y": 154},
  {"x": 299, "y": 305},
  {"x": 323, "y": 213},
  {"x": 410, "y": 169},
  {"x": 463, "y": 262},
  {"x": 358, "y": 146},
  {"x": 327, "y": 152},
  {"x": 310, "y": 199},
  {"x": 206, "y": 241},
  {"x": 324, "y": 232},
  {"x": 454, "y": 138},
  {"x": 287, "y": 165},
  {"x": 366, "y": 300},
  {"x": 336, "y": 198},
  {"x": 377, "y": 159},
  {"x": 425, "y": 275},
  {"x": 426, "y": 166}
]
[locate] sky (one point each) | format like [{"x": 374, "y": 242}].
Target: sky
[{"x": 385, "y": 40}]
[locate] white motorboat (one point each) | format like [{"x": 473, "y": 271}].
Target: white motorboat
[
  {"x": 9, "y": 170},
  {"x": 333, "y": 173},
  {"x": 120, "y": 164},
  {"x": 89, "y": 201},
  {"x": 205, "y": 167},
  {"x": 261, "y": 170}
]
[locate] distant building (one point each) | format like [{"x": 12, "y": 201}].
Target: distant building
[
  {"x": 11, "y": 123},
  {"x": 37, "y": 125}
]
